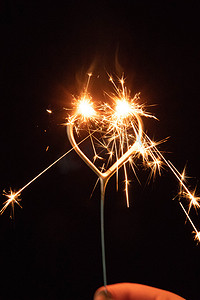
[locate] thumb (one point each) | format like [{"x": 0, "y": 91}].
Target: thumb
[
  {"x": 102, "y": 295},
  {"x": 131, "y": 291}
]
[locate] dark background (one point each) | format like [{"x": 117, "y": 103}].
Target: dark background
[{"x": 51, "y": 250}]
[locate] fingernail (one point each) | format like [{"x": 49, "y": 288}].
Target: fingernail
[{"x": 103, "y": 295}]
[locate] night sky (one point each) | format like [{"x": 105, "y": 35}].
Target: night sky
[{"x": 51, "y": 249}]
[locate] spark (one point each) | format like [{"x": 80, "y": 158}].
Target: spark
[
  {"x": 193, "y": 199},
  {"x": 122, "y": 109},
  {"x": 85, "y": 108},
  {"x": 49, "y": 111},
  {"x": 13, "y": 198},
  {"x": 197, "y": 236},
  {"x": 155, "y": 166}
]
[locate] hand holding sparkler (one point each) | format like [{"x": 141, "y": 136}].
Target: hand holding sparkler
[{"x": 133, "y": 291}]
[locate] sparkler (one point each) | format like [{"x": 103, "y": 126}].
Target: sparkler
[
  {"x": 117, "y": 130},
  {"x": 117, "y": 139}
]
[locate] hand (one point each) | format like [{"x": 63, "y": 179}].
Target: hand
[{"x": 133, "y": 291}]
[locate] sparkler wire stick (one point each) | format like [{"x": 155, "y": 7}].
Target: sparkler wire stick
[{"x": 103, "y": 184}]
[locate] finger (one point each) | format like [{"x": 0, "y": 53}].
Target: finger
[
  {"x": 133, "y": 291},
  {"x": 102, "y": 295}
]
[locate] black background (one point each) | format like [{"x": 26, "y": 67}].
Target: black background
[{"x": 51, "y": 250}]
